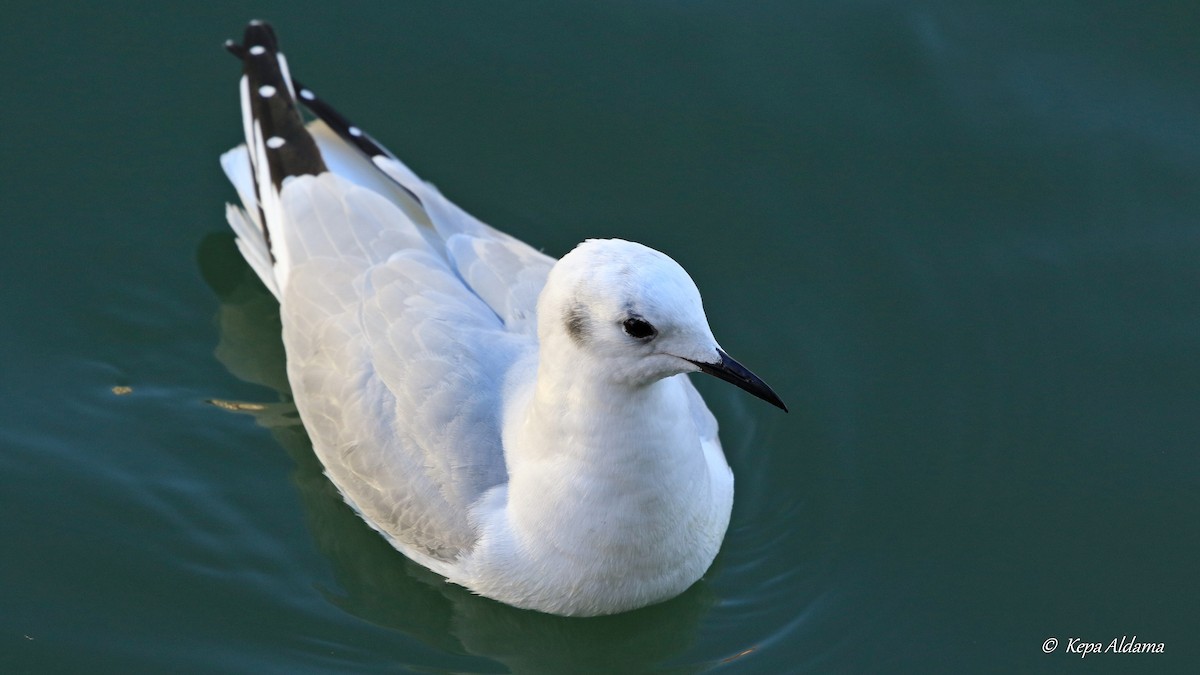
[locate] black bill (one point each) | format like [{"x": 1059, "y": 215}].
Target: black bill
[{"x": 736, "y": 374}]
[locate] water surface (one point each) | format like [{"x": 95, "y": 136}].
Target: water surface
[{"x": 960, "y": 239}]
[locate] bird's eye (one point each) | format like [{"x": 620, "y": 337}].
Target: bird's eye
[{"x": 639, "y": 328}]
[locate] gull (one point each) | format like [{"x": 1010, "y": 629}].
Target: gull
[{"x": 524, "y": 427}]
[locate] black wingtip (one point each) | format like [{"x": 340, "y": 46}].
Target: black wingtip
[
  {"x": 289, "y": 149},
  {"x": 235, "y": 49},
  {"x": 260, "y": 34},
  {"x": 346, "y": 130}
]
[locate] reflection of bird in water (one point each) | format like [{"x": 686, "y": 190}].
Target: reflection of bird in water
[{"x": 521, "y": 426}]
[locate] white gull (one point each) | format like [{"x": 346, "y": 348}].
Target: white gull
[{"x": 518, "y": 425}]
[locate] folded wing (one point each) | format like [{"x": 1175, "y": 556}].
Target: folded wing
[{"x": 401, "y": 313}]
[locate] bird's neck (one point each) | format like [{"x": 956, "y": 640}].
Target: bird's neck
[
  {"x": 582, "y": 446},
  {"x": 578, "y": 408}
]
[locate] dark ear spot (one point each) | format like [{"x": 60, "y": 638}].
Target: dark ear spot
[{"x": 576, "y": 321}]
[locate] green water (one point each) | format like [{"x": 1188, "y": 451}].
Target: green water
[{"x": 960, "y": 239}]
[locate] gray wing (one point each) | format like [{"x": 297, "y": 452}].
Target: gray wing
[
  {"x": 397, "y": 354},
  {"x": 401, "y": 313}
]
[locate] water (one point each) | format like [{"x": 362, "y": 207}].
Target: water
[{"x": 981, "y": 220}]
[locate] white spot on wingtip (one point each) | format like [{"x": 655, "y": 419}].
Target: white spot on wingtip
[
  {"x": 275, "y": 142},
  {"x": 355, "y": 132},
  {"x": 258, "y": 50},
  {"x": 307, "y": 95},
  {"x": 266, "y": 91}
]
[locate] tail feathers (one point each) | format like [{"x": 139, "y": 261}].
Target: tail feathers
[
  {"x": 247, "y": 223},
  {"x": 253, "y": 247}
]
